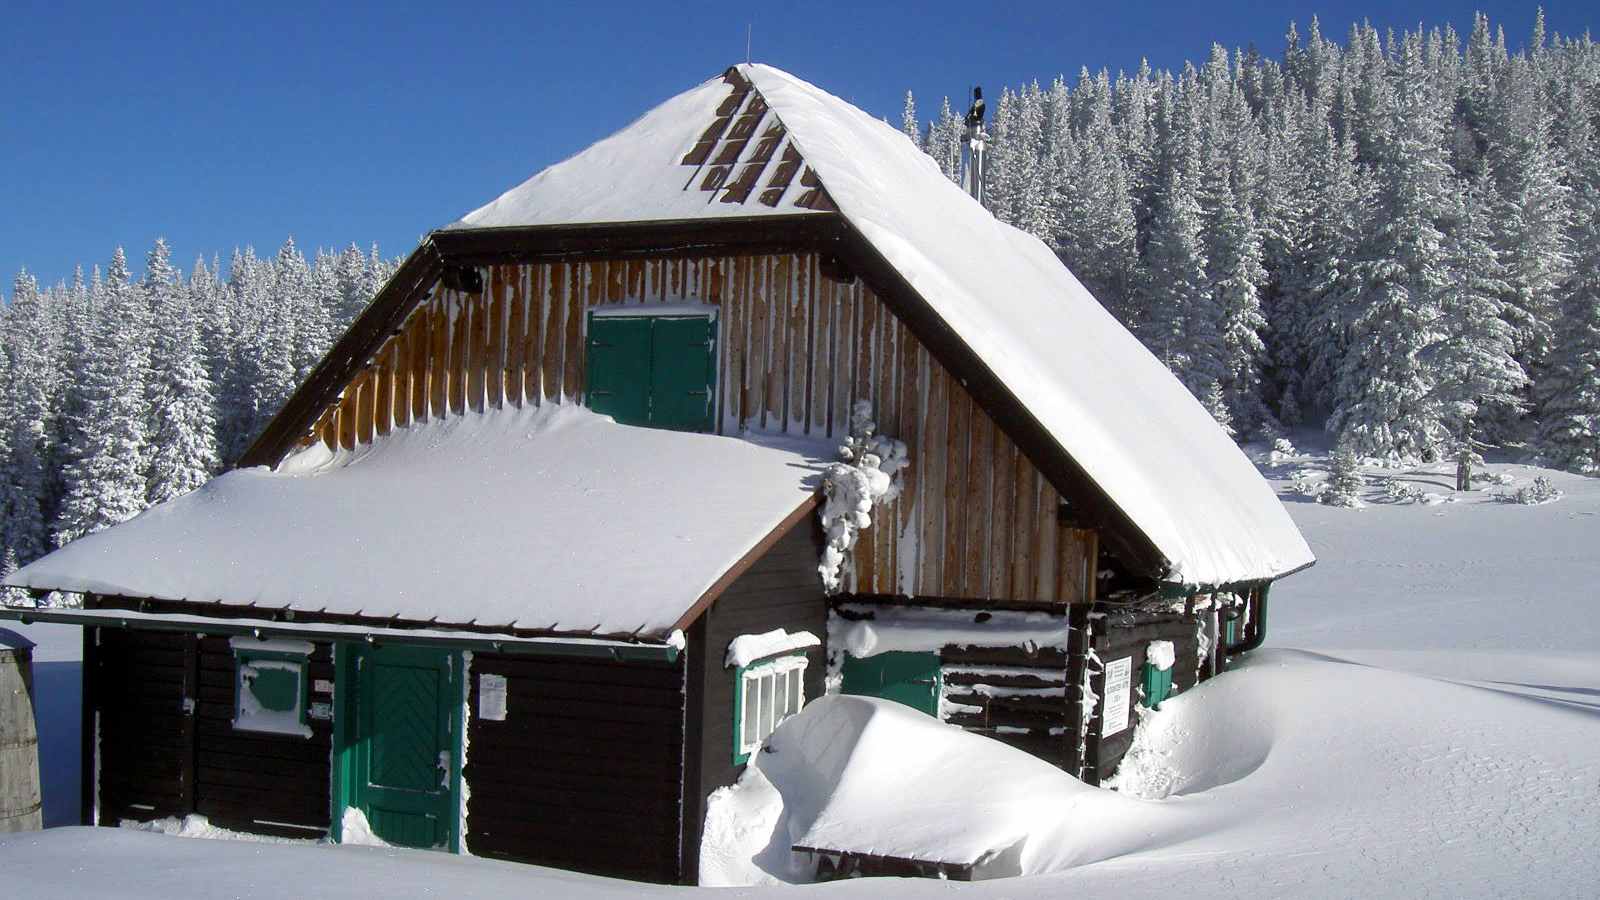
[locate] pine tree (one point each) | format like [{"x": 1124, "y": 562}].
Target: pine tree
[
  {"x": 1570, "y": 389},
  {"x": 1532, "y": 215},
  {"x": 909, "y": 126},
  {"x": 183, "y": 443},
  {"x": 26, "y": 422},
  {"x": 1386, "y": 407},
  {"x": 105, "y": 481},
  {"x": 1345, "y": 481},
  {"x": 1478, "y": 376}
]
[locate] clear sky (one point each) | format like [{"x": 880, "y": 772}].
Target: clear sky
[{"x": 336, "y": 123}]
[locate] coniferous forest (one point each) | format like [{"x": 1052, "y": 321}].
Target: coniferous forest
[
  {"x": 1397, "y": 238},
  {"x": 118, "y": 393}
]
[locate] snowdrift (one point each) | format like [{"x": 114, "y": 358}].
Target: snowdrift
[{"x": 870, "y": 776}]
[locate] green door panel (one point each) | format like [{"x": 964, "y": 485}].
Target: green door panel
[
  {"x": 1157, "y": 685},
  {"x": 682, "y": 372},
  {"x": 397, "y": 735},
  {"x": 619, "y": 368},
  {"x": 904, "y": 677}
]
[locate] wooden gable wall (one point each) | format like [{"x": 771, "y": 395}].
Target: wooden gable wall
[{"x": 796, "y": 349}]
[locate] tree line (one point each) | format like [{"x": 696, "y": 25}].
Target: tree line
[
  {"x": 116, "y": 394},
  {"x": 1397, "y": 237}
]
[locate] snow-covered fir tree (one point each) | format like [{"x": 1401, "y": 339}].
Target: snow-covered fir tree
[
  {"x": 105, "y": 479},
  {"x": 1364, "y": 319},
  {"x": 182, "y": 439},
  {"x": 108, "y": 386}
]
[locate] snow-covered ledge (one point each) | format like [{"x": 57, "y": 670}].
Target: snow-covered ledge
[
  {"x": 747, "y": 648},
  {"x": 866, "y": 477}
]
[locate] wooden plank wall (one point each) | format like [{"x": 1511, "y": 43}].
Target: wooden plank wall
[
  {"x": 585, "y": 772},
  {"x": 780, "y": 591},
  {"x": 157, "y": 760},
  {"x": 796, "y": 351}
]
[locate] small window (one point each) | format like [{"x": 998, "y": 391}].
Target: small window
[
  {"x": 767, "y": 693},
  {"x": 270, "y": 691}
]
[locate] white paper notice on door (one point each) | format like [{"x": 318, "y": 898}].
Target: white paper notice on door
[
  {"x": 492, "y": 697},
  {"x": 1119, "y": 674}
]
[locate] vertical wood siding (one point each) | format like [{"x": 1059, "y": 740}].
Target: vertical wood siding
[{"x": 796, "y": 350}]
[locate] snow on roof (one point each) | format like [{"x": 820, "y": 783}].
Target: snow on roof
[
  {"x": 1106, "y": 400},
  {"x": 542, "y": 518}
]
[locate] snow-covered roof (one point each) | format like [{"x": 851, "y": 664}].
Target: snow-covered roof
[
  {"x": 1109, "y": 404},
  {"x": 543, "y": 518}
]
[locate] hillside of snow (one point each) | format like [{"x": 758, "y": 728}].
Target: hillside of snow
[{"x": 1422, "y": 722}]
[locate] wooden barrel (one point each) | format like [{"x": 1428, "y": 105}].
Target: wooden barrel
[{"x": 20, "y": 808}]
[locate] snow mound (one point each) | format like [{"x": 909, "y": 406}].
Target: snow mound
[{"x": 959, "y": 798}]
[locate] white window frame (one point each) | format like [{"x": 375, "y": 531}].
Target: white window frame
[{"x": 792, "y": 670}]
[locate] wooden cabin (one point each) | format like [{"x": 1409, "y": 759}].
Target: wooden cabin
[{"x": 529, "y": 565}]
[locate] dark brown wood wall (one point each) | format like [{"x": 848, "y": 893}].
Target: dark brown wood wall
[
  {"x": 1103, "y": 755},
  {"x": 780, "y": 591},
  {"x": 155, "y": 759},
  {"x": 796, "y": 350},
  {"x": 585, "y": 771},
  {"x": 250, "y": 781}
]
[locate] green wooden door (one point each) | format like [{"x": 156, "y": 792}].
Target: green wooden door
[
  {"x": 909, "y": 678},
  {"x": 619, "y": 368},
  {"x": 401, "y": 760},
  {"x": 681, "y": 373},
  {"x": 656, "y": 371}
]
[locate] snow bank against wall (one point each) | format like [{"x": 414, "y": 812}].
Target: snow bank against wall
[{"x": 863, "y": 775}]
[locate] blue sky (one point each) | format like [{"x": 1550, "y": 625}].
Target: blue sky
[{"x": 217, "y": 128}]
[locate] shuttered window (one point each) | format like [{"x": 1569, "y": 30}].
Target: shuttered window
[{"x": 653, "y": 370}]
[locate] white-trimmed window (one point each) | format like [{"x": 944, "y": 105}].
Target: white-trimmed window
[
  {"x": 766, "y": 693},
  {"x": 270, "y": 686}
]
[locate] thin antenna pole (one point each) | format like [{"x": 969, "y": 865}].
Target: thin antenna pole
[{"x": 749, "y": 28}]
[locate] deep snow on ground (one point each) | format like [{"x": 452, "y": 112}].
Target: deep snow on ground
[{"x": 1422, "y": 723}]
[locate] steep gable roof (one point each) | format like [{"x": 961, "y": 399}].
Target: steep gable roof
[{"x": 1109, "y": 407}]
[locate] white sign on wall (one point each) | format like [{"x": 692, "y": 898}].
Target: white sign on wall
[
  {"x": 492, "y": 697},
  {"x": 1119, "y": 684}
]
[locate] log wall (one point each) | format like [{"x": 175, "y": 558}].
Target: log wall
[
  {"x": 159, "y": 755},
  {"x": 585, "y": 772},
  {"x": 796, "y": 350}
]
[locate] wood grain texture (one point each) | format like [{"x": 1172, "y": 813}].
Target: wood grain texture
[{"x": 796, "y": 350}]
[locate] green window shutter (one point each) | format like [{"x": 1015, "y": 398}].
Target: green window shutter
[
  {"x": 619, "y": 368},
  {"x": 904, "y": 677},
  {"x": 682, "y": 373},
  {"x": 1157, "y": 685},
  {"x": 656, "y": 371}
]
